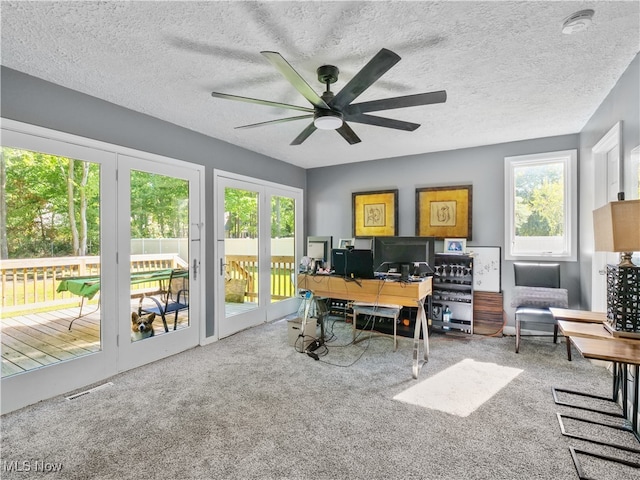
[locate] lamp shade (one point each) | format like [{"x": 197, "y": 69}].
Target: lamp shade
[{"x": 617, "y": 226}]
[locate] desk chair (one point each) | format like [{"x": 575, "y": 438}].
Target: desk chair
[
  {"x": 173, "y": 300},
  {"x": 537, "y": 289}
]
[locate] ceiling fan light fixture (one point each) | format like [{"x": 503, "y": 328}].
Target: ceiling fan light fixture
[
  {"x": 577, "y": 22},
  {"x": 327, "y": 120}
]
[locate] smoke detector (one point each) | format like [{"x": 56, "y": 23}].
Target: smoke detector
[{"x": 577, "y": 22}]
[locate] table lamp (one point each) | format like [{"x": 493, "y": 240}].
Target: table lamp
[{"x": 617, "y": 229}]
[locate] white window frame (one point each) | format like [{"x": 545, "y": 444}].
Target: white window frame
[{"x": 569, "y": 158}]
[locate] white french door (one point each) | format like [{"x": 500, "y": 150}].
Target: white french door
[
  {"x": 61, "y": 341},
  {"x": 258, "y": 237},
  {"x": 157, "y": 202},
  {"x": 57, "y": 357},
  {"x": 606, "y": 157}
]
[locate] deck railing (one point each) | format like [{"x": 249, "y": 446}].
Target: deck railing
[
  {"x": 32, "y": 283},
  {"x": 245, "y": 267}
]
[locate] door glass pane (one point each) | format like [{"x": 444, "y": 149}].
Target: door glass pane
[
  {"x": 50, "y": 249},
  {"x": 159, "y": 267},
  {"x": 282, "y": 247},
  {"x": 241, "y": 251}
]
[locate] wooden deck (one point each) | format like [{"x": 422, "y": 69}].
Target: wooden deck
[{"x": 39, "y": 339}]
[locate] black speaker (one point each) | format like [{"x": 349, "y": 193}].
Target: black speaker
[{"x": 404, "y": 271}]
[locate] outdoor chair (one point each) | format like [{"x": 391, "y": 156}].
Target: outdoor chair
[
  {"x": 173, "y": 300},
  {"x": 537, "y": 289}
]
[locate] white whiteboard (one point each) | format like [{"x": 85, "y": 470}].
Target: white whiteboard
[{"x": 486, "y": 268}]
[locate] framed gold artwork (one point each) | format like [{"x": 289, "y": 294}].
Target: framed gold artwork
[
  {"x": 444, "y": 212},
  {"x": 375, "y": 214}
]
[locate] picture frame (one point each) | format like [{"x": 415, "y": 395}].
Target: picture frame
[
  {"x": 363, "y": 243},
  {"x": 455, "y": 245},
  {"x": 346, "y": 243},
  {"x": 375, "y": 214},
  {"x": 444, "y": 212},
  {"x": 487, "y": 269}
]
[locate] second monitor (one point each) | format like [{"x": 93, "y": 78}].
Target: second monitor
[{"x": 417, "y": 254}]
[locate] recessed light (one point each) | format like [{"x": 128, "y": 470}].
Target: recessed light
[{"x": 577, "y": 22}]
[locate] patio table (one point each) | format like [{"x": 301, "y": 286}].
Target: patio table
[{"x": 88, "y": 286}]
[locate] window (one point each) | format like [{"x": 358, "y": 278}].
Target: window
[{"x": 541, "y": 210}]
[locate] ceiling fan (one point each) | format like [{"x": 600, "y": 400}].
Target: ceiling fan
[{"x": 331, "y": 112}]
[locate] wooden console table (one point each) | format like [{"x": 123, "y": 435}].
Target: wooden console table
[
  {"x": 578, "y": 315},
  {"x": 593, "y": 341},
  {"x": 623, "y": 351},
  {"x": 375, "y": 291},
  {"x": 568, "y": 321}
]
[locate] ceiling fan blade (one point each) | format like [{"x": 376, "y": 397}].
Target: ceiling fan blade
[
  {"x": 295, "y": 79},
  {"x": 397, "y": 102},
  {"x": 278, "y": 120},
  {"x": 268, "y": 103},
  {"x": 304, "y": 134},
  {"x": 372, "y": 71},
  {"x": 348, "y": 134},
  {"x": 382, "y": 122}
]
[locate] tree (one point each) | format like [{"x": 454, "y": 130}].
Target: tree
[
  {"x": 72, "y": 207},
  {"x": 4, "y": 247},
  {"x": 159, "y": 206},
  {"x": 539, "y": 200},
  {"x": 44, "y": 204}
]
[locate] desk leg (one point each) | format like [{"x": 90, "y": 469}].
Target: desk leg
[{"x": 421, "y": 324}]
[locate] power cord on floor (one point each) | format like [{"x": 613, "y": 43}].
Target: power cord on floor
[{"x": 370, "y": 319}]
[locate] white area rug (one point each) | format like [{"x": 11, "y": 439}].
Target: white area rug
[{"x": 460, "y": 389}]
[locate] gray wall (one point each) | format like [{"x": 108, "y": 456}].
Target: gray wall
[
  {"x": 34, "y": 101},
  {"x": 622, "y": 104},
  {"x": 329, "y": 189},
  {"x": 329, "y": 193}
]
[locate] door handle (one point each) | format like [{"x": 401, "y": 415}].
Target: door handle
[
  {"x": 222, "y": 265},
  {"x": 195, "y": 268}
]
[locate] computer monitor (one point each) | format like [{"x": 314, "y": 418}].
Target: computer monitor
[
  {"x": 352, "y": 263},
  {"x": 319, "y": 248},
  {"x": 390, "y": 253}
]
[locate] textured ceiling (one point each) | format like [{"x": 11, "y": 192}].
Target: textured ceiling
[{"x": 509, "y": 72}]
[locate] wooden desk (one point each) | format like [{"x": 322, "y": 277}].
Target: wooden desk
[
  {"x": 578, "y": 315},
  {"x": 375, "y": 291}
]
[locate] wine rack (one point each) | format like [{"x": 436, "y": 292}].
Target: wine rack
[{"x": 453, "y": 288}]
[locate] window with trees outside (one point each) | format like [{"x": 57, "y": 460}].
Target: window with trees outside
[{"x": 541, "y": 209}]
